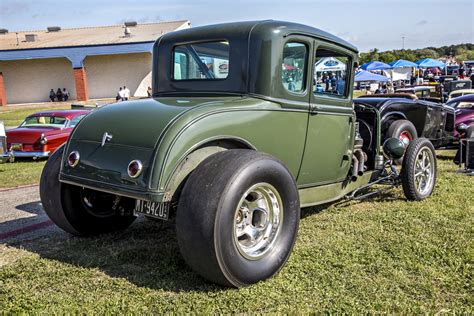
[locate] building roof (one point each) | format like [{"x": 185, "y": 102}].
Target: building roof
[{"x": 98, "y": 35}]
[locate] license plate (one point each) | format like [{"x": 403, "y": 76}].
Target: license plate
[
  {"x": 17, "y": 147},
  {"x": 153, "y": 209}
]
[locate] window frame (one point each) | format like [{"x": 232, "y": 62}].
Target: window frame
[
  {"x": 306, "y": 68},
  {"x": 172, "y": 59},
  {"x": 349, "y": 70}
]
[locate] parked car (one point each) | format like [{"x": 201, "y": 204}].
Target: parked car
[
  {"x": 231, "y": 152},
  {"x": 464, "y": 107},
  {"x": 4, "y": 156},
  {"x": 460, "y": 93},
  {"x": 422, "y": 92},
  {"x": 454, "y": 85},
  {"x": 40, "y": 134},
  {"x": 407, "y": 117}
]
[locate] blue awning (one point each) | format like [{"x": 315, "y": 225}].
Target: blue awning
[
  {"x": 430, "y": 63},
  {"x": 375, "y": 65},
  {"x": 368, "y": 76},
  {"x": 402, "y": 63}
]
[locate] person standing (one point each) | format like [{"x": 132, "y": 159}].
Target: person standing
[
  {"x": 149, "y": 91},
  {"x": 126, "y": 94},
  {"x": 65, "y": 94}
]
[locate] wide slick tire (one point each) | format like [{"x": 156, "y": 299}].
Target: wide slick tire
[
  {"x": 419, "y": 170},
  {"x": 238, "y": 217},
  {"x": 79, "y": 211}
]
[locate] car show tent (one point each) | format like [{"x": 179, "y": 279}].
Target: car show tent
[
  {"x": 366, "y": 76},
  {"x": 402, "y": 63},
  {"x": 329, "y": 64},
  {"x": 375, "y": 65},
  {"x": 430, "y": 63}
]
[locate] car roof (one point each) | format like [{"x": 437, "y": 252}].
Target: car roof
[
  {"x": 64, "y": 113},
  {"x": 417, "y": 88},
  {"x": 464, "y": 98},
  {"x": 267, "y": 28},
  {"x": 462, "y": 91}
]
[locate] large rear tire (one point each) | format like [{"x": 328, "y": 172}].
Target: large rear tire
[
  {"x": 419, "y": 170},
  {"x": 238, "y": 217},
  {"x": 81, "y": 211}
]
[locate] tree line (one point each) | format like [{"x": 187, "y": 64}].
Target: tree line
[{"x": 461, "y": 52}]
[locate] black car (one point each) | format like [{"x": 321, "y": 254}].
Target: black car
[{"x": 407, "y": 117}]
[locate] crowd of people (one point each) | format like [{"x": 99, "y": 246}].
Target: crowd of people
[{"x": 59, "y": 95}]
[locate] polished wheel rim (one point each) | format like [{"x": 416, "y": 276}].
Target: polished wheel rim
[
  {"x": 257, "y": 221},
  {"x": 424, "y": 171},
  {"x": 406, "y": 138}
]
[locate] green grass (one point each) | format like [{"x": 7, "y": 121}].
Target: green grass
[
  {"x": 21, "y": 172},
  {"x": 384, "y": 255},
  {"x": 358, "y": 93}
]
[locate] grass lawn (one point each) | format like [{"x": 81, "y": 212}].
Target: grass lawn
[
  {"x": 383, "y": 254},
  {"x": 21, "y": 172}
]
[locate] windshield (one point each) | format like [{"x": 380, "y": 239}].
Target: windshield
[
  {"x": 44, "y": 121},
  {"x": 201, "y": 61}
]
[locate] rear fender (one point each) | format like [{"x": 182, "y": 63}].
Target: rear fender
[{"x": 191, "y": 160}]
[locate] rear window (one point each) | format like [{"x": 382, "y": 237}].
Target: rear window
[
  {"x": 201, "y": 61},
  {"x": 44, "y": 121}
]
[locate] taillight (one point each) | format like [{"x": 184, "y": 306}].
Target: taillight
[
  {"x": 43, "y": 140},
  {"x": 134, "y": 168},
  {"x": 73, "y": 159}
]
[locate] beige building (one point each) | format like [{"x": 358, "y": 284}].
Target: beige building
[{"x": 91, "y": 63}]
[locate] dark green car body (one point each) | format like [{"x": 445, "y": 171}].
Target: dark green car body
[{"x": 188, "y": 120}]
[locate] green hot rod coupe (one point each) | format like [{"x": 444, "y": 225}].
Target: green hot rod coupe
[{"x": 248, "y": 123}]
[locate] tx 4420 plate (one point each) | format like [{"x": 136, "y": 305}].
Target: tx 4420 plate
[{"x": 153, "y": 209}]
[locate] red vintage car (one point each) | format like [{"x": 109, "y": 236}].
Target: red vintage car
[{"x": 42, "y": 133}]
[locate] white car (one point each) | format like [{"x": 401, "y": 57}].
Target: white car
[{"x": 460, "y": 93}]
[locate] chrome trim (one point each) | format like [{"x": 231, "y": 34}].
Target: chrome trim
[
  {"x": 106, "y": 138},
  {"x": 77, "y": 158},
  {"x": 140, "y": 168},
  {"x": 30, "y": 154}
]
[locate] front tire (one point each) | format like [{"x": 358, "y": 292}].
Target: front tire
[
  {"x": 80, "y": 211},
  {"x": 238, "y": 217},
  {"x": 419, "y": 170}
]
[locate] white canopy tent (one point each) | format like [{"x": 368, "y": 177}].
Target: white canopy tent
[{"x": 329, "y": 64}]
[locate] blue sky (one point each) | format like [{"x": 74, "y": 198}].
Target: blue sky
[{"x": 365, "y": 23}]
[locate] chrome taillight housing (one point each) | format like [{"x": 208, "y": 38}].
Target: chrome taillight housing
[
  {"x": 73, "y": 159},
  {"x": 134, "y": 168}
]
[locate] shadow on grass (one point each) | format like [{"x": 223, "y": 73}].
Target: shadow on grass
[{"x": 146, "y": 254}]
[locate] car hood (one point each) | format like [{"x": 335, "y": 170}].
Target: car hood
[
  {"x": 464, "y": 114},
  {"x": 134, "y": 123},
  {"x": 29, "y": 135}
]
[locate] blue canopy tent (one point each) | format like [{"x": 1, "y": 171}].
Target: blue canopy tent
[
  {"x": 430, "y": 63},
  {"x": 375, "y": 65},
  {"x": 363, "y": 75},
  {"x": 402, "y": 63}
]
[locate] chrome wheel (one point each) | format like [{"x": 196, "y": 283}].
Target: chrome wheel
[
  {"x": 424, "y": 171},
  {"x": 257, "y": 221}
]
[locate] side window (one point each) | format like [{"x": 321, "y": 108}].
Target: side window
[
  {"x": 293, "y": 75},
  {"x": 331, "y": 71},
  {"x": 75, "y": 120}
]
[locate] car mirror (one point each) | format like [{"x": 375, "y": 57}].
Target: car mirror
[
  {"x": 393, "y": 148},
  {"x": 461, "y": 128}
]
